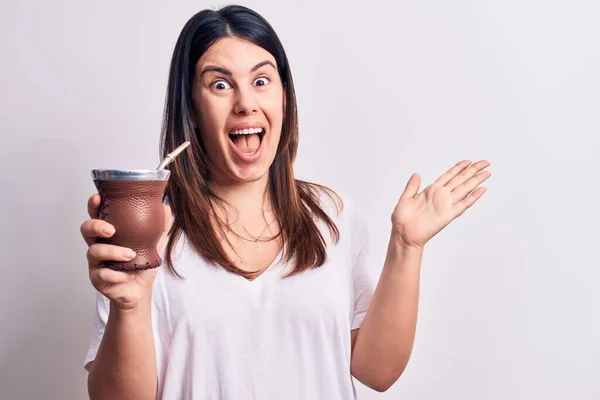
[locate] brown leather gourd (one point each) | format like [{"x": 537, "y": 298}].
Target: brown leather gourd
[{"x": 135, "y": 209}]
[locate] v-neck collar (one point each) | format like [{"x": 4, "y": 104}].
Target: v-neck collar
[{"x": 269, "y": 271}]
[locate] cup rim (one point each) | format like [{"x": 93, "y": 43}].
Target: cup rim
[{"x": 131, "y": 174}]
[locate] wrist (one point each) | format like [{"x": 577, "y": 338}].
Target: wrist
[
  {"x": 140, "y": 310},
  {"x": 398, "y": 241},
  {"x": 403, "y": 257}
]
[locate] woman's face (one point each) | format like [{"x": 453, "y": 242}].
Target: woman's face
[{"x": 238, "y": 106}]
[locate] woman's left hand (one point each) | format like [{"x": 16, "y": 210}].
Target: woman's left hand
[{"x": 420, "y": 216}]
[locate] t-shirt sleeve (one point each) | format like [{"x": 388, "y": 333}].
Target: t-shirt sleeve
[
  {"x": 98, "y": 327},
  {"x": 365, "y": 273}
]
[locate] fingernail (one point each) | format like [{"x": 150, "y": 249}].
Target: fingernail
[
  {"x": 129, "y": 253},
  {"x": 108, "y": 229}
]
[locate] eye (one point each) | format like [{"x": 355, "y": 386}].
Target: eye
[
  {"x": 262, "y": 81},
  {"x": 220, "y": 85}
]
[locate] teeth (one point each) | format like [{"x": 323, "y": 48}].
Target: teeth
[{"x": 248, "y": 131}]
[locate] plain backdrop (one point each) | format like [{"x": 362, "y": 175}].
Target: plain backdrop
[{"x": 510, "y": 306}]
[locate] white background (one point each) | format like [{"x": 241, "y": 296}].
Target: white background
[{"x": 510, "y": 306}]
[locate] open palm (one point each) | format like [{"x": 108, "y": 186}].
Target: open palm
[{"x": 420, "y": 216}]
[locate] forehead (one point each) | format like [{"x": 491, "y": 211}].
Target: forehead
[{"x": 234, "y": 54}]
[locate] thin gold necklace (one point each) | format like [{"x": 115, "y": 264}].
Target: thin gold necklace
[{"x": 255, "y": 241}]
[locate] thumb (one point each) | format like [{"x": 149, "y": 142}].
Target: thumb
[{"x": 412, "y": 187}]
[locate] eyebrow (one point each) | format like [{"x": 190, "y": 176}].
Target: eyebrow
[{"x": 227, "y": 72}]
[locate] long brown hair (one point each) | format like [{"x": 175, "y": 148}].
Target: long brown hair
[{"x": 297, "y": 205}]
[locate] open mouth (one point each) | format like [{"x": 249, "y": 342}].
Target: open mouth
[{"x": 247, "y": 141}]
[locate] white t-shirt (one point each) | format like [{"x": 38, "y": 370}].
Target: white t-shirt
[{"x": 219, "y": 336}]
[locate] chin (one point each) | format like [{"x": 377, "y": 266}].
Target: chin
[{"x": 249, "y": 174}]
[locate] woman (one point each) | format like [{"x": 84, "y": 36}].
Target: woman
[{"x": 267, "y": 280}]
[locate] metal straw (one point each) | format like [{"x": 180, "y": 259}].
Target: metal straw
[{"x": 171, "y": 156}]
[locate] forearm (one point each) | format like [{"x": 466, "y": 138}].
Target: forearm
[
  {"x": 125, "y": 364},
  {"x": 385, "y": 339}
]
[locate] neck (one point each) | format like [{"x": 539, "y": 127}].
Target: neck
[{"x": 250, "y": 199}]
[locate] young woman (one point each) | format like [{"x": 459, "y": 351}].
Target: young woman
[{"x": 267, "y": 291}]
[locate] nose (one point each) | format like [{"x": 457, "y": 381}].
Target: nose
[{"x": 245, "y": 102}]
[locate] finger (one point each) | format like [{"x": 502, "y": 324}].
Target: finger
[
  {"x": 107, "y": 275},
  {"x": 99, "y": 252},
  {"x": 94, "y": 205},
  {"x": 452, "y": 172},
  {"x": 95, "y": 228},
  {"x": 463, "y": 190},
  {"x": 467, "y": 174},
  {"x": 412, "y": 187},
  {"x": 468, "y": 201}
]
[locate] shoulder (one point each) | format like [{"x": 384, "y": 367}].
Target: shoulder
[{"x": 341, "y": 207}]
